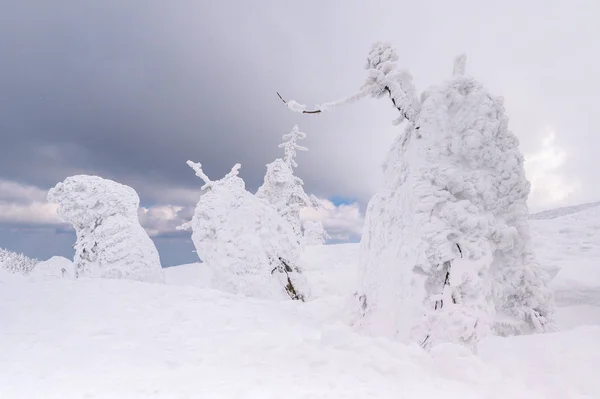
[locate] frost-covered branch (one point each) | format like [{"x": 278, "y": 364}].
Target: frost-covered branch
[
  {"x": 297, "y": 107},
  {"x": 384, "y": 78},
  {"x": 235, "y": 170},
  {"x": 197, "y": 166}
]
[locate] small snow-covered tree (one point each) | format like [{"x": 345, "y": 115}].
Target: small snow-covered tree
[
  {"x": 16, "y": 262},
  {"x": 111, "y": 243},
  {"x": 281, "y": 188},
  {"x": 250, "y": 248},
  {"x": 446, "y": 254},
  {"x": 290, "y": 146},
  {"x": 314, "y": 233}
]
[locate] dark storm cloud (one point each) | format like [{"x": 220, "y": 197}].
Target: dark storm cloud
[{"x": 109, "y": 88}]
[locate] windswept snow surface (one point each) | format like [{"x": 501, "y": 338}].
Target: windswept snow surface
[{"x": 98, "y": 338}]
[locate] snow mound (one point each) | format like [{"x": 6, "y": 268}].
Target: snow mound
[
  {"x": 192, "y": 274},
  {"x": 331, "y": 269},
  {"x": 111, "y": 243},
  {"x": 53, "y": 268}
]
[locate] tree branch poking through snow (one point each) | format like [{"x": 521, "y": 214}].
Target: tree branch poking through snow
[{"x": 197, "y": 166}]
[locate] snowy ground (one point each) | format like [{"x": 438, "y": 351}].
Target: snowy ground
[{"x": 122, "y": 339}]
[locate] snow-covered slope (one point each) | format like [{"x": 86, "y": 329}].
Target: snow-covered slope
[
  {"x": 126, "y": 339},
  {"x": 97, "y": 338},
  {"x": 569, "y": 244},
  {"x": 566, "y": 210}
]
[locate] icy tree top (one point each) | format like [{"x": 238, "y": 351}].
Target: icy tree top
[
  {"x": 86, "y": 199},
  {"x": 290, "y": 146},
  {"x": 460, "y": 64}
]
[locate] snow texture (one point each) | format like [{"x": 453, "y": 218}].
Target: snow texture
[
  {"x": 314, "y": 233},
  {"x": 248, "y": 246},
  {"x": 111, "y": 243},
  {"x": 15, "y": 262},
  {"x": 282, "y": 189},
  {"x": 446, "y": 253}
]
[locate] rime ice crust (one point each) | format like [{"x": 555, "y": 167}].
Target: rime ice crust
[{"x": 111, "y": 243}]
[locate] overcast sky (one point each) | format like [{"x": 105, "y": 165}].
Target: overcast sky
[{"x": 130, "y": 90}]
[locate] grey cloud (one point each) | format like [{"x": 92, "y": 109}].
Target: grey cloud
[{"x": 131, "y": 90}]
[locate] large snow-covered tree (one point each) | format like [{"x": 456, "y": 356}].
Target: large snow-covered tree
[
  {"x": 111, "y": 243},
  {"x": 446, "y": 254},
  {"x": 249, "y": 247},
  {"x": 16, "y": 262},
  {"x": 281, "y": 188}
]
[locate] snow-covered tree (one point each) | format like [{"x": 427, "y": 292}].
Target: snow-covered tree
[
  {"x": 314, "y": 233},
  {"x": 16, "y": 262},
  {"x": 281, "y": 188},
  {"x": 446, "y": 254},
  {"x": 111, "y": 243},
  {"x": 250, "y": 248}
]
